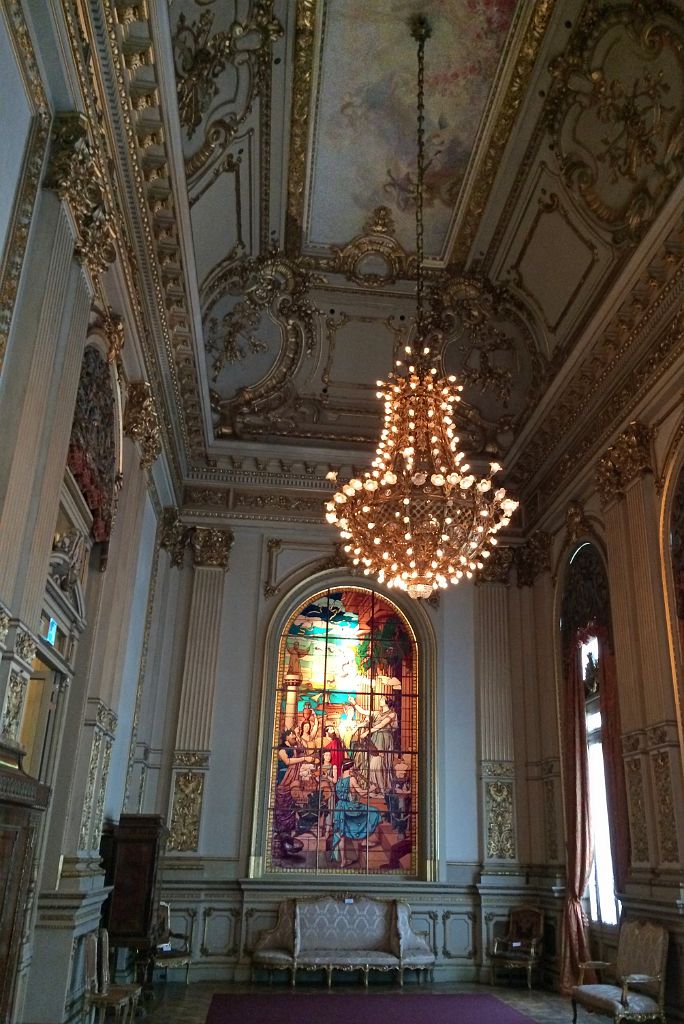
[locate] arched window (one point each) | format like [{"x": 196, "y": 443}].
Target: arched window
[
  {"x": 594, "y": 778},
  {"x": 344, "y": 767}
]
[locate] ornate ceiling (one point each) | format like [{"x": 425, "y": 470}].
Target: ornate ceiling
[{"x": 263, "y": 157}]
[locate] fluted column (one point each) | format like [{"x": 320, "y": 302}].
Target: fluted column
[
  {"x": 495, "y": 712},
  {"x": 210, "y": 554},
  {"x": 647, "y": 694}
]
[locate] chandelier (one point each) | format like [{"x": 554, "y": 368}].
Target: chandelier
[{"x": 420, "y": 518}]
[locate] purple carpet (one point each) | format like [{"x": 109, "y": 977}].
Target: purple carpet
[{"x": 361, "y": 1008}]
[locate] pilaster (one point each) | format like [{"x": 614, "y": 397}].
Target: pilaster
[
  {"x": 653, "y": 767},
  {"x": 497, "y": 756},
  {"x": 210, "y": 555}
]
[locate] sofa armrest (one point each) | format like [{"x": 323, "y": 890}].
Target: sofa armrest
[
  {"x": 410, "y": 941},
  {"x": 597, "y": 964}
]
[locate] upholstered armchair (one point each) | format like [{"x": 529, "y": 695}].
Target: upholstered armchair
[
  {"x": 520, "y": 949},
  {"x": 638, "y": 992},
  {"x": 173, "y": 948}
]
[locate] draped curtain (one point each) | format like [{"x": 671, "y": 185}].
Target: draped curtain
[{"x": 616, "y": 791}]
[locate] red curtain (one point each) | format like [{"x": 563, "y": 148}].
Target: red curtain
[
  {"x": 616, "y": 792},
  {"x": 574, "y": 947}
]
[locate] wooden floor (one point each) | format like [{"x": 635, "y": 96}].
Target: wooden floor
[{"x": 175, "y": 1003}]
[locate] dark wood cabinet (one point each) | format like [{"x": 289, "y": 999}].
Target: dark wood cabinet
[
  {"x": 131, "y": 852},
  {"x": 22, "y": 802}
]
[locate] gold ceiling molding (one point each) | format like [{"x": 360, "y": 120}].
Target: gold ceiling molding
[
  {"x": 200, "y": 58},
  {"x": 619, "y": 133},
  {"x": 375, "y": 244},
  {"x": 36, "y": 144},
  {"x": 517, "y": 90},
  {"x": 649, "y": 320},
  {"x": 470, "y": 307},
  {"x": 299, "y": 122},
  {"x": 83, "y": 41}
]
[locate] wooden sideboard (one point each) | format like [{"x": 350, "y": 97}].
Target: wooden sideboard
[{"x": 22, "y": 802}]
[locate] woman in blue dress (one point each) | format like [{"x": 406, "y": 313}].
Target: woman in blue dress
[{"x": 352, "y": 819}]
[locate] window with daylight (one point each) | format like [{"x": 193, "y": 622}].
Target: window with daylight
[
  {"x": 344, "y": 767},
  {"x": 594, "y": 783},
  {"x": 604, "y": 905}
]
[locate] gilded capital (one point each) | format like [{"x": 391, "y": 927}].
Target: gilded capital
[
  {"x": 496, "y": 569},
  {"x": 175, "y": 535},
  {"x": 211, "y": 548},
  {"x": 624, "y": 461},
  {"x": 576, "y": 523},
  {"x": 141, "y": 422},
  {"x": 75, "y": 174},
  {"x": 533, "y": 558}
]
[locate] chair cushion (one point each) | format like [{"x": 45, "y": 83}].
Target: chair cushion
[
  {"x": 606, "y": 999},
  {"x": 347, "y": 958}
]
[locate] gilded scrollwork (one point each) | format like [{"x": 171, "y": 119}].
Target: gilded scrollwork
[
  {"x": 550, "y": 822},
  {"x": 4, "y": 625},
  {"x": 187, "y": 809},
  {"x": 89, "y": 796},
  {"x": 190, "y": 759},
  {"x": 141, "y": 422},
  {"x": 637, "y": 811},
  {"x": 667, "y": 819},
  {"x": 201, "y": 58},
  {"x": 113, "y": 327},
  {"x": 615, "y": 112},
  {"x": 67, "y": 560},
  {"x": 497, "y": 568},
  {"x": 175, "y": 535},
  {"x": 14, "y": 705},
  {"x": 500, "y": 843},
  {"x": 25, "y": 646},
  {"x": 211, "y": 548},
  {"x": 533, "y": 558},
  {"x": 299, "y": 122},
  {"x": 76, "y": 176},
  {"x": 18, "y": 230},
  {"x": 375, "y": 245},
  {"x": 576, "y": 523},
  {"x": 624, "y": 461}
]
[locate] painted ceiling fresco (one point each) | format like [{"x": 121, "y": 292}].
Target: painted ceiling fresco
[{"x": 364, "y": 133}]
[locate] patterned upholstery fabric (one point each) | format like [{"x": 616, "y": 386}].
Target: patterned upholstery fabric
[
  {"x": 329, "y": 932},
  {"x": 639, "y": 988},
  {"x": 328, "y": 923},
  {"x": 606, "y": 999}
]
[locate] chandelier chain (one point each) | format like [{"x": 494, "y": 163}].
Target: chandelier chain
[{"x": 420, "y": 185}]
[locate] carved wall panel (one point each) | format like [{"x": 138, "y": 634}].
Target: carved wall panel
[
  {"x": 459, "y": 934},
  {"x": 186, "y": 811},
  {"x": 220, "y": 933},
  {"x": 615, "y": 112},
  {"x": 637, "y": 810},
  {"x": 500, "y": 826}
]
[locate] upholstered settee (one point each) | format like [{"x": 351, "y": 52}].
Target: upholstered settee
[{"x": 347, "y": 933}]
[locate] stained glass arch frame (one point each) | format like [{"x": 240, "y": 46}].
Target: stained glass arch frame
[{"x": 354, "y": 792}]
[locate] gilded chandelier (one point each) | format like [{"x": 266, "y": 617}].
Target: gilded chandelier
[{"x": 420, "y": 519}]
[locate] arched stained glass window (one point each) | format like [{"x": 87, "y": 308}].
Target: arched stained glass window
[{"x": 344, "y": 768}]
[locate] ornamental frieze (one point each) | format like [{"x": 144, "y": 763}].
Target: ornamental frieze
[
  {"x": 190, "y": 759},
  {"x": 74, "y": 173},
  {"x": 627, "y": 459},
  {"x": 141, "y": 422}
]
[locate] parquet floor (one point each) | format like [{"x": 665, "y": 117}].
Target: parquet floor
[{"x": 176, "y": 1003}]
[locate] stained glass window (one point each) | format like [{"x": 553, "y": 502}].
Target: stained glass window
[{"x": 344, "y": 766}]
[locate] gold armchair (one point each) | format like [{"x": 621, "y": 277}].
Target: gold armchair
[
  {"x": 520, "y": 949},
  {"x": 639, "y": 989}
]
